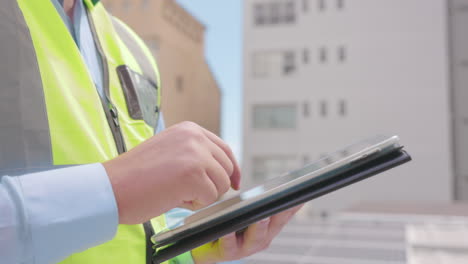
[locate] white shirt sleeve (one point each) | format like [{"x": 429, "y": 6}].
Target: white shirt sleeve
[{"x": 47, "y": 216}]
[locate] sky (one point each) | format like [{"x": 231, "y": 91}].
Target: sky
[{"x": 223, "y": 21}]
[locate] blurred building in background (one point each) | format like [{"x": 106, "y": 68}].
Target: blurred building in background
[
  {"x": 375, "y": 234},
  {"x": 177, "y": 40},
  {"x": 321, "y": 74}
]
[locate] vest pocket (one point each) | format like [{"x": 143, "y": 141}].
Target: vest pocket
[{"x": 141, "y": 95}]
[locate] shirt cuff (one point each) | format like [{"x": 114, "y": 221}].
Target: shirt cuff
[{"x": 69, "y": 210}]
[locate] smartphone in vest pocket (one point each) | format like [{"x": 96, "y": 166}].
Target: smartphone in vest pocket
[{"x": 141, "y": 95}]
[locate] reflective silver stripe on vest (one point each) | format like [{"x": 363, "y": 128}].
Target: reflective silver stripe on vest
[
  {"x": 145, "y": 64},
  {"x": 24, "y": 129}
]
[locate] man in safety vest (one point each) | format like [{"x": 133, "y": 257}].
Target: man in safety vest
[{"x": 77, "y": 86}]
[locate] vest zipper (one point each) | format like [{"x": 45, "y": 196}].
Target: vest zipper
[
  {"x": 110, "y": 110},
  {"x": 113, "y": 119},
  {"x": 115, "y": 127}
]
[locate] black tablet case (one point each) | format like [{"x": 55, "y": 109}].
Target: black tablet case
[{"x": 365, "y": 170}]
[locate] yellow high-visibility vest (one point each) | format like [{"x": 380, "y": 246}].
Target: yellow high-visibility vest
[{"x": 52, "y": 115}]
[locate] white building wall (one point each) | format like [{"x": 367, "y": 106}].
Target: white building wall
[
  {"x": 437, "y": 243},
  {"x": 394, "y": 80}
]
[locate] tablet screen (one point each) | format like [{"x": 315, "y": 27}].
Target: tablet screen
[
  {"x": 338, "y": 160},
  {"x": 329, "y": 159}
]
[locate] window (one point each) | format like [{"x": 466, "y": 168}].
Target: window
[
  {"x": 342, "y": 54},
  {"x": 275, "y": 15},
  {"x": 323, "y": 109},
  {"x": 289, "y": 12},
  {"x": 179, "y": 84},
  {"x": 305, "y": 56},
  {"x": 274, "y": 116},
  {"x": 323, "y": 55},
  {"x": 268, "y": 167},
  {"x": 321, "y": 5},
  {"x": 273, "y": 63},
  {"x": 342, "y": 108},
  {"x": 260, "y": 14},
  {"x": 305, "y": 6},
  {"x": 289, "y": 62},
  {"x": 340, "y": 4},
  {"x": 274, "y": 12},
  {"x": 306, "y": 109}
]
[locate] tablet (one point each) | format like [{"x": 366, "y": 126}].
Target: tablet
[{"x": 327, "y": 168}]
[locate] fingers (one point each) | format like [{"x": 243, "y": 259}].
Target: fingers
[
  {"x": 278, "y": 221},
  {"x": 256, "y": 237},
  {"x": 235, "y": 174},
  {"x": 221, "y": 157},
  {"x": 220, "y": 177},
  {"x": 207, "y": 194},
  {"x": 229, "y": 247}
]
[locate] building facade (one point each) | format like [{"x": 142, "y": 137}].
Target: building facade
[
  {"x": 176, "y": 38},
  {"x": 375, "y": 234},
  {"x": 321, "y": 74}
]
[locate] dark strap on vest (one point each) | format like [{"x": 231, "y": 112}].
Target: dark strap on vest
[{"x": 24, "y": 130}]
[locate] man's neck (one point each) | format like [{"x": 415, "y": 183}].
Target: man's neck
[{"x": 68, "y": 6}]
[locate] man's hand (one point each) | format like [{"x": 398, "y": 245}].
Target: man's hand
[
  {"x": 184, "y": 166},
  {"x": 237, "y": 246}
]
